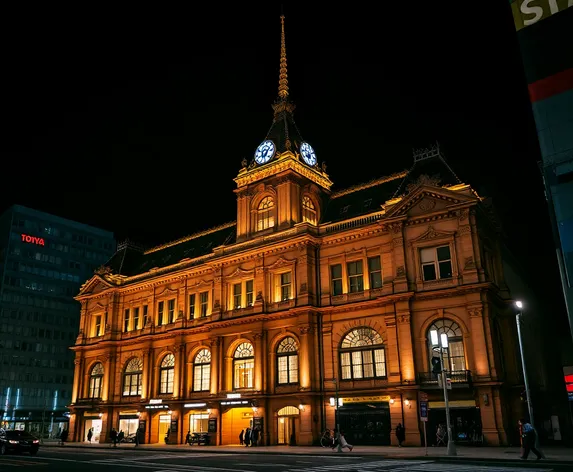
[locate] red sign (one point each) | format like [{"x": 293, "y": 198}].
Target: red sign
[{"x": 26, "y": 238}]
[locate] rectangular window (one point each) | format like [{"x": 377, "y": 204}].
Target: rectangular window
[
  {"x": 285, "y": 287},
  {"x": 237, "y": 292},
  {"x": 171, "y": 310},
  {"x": 204, "y": 303},
  {"x": 336, "y": 279},
  {"x": 201, "y": 377},
  {"x": 97, "y": 326},
  {"x": 160, "y": 308},
  {"x": 355, "y": 276},
  {"x": 192, "y": 306},
  {"x": 375, "y": 272},
  {"x": 126, "y": 321},
  {"x": 136, "y": 318},
  {"x": 436, "y": 263},
  {"x": 144, "y": 315},
  {"x": 249, "y": 289}
]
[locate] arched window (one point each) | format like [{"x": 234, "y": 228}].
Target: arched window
[
  {"x": 362, "y": 355},
  {"x": 266, "y": 214},
  {"x": 202, "y": 371},
  {"x": 132, "y": 377},
  {"x": 308, "y": 210},
  {"x": 454, "y": 358},
  {"x": 243, "y": 366},
  {"x": 287, "y": 361},
  {"x": 167, "y": 374},
  {"x": 96, "y": 377}
]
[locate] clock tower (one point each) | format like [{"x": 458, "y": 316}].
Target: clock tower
[{"x": 284, "y": 184}]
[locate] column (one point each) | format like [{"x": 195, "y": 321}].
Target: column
[
  {"x": 304, "y": 358},
  {"x": 178, "y": 383},
  {"x": 107, "y": 374},
  {"x": 392, "y": 354},
  {"x": 406, "y": 351},
  {"x": 398, "y": 257},
  {"x": 481, "y": 361},
  {"x": 258, "y": 362},
  {"x": 215, "y": 370},
  {"x": 77, "y": 380},
  {"x": 146, "y": 380}
]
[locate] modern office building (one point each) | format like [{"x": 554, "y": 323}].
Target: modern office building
[
  {"x": 44, "y": 260},
  {"x": 544, "y": 34},
  {"x": 314, "y": 308}
]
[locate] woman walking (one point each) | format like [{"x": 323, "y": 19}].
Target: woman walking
[{"x": 400, "y": 434}]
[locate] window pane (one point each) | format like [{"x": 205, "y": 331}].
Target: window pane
[
  {"x": 374, "y": 263},
  {"x": 443, "y": 253},
  {"x": 293, "y": 368},
  {"x": 445, "y": 269},
  {"x": 355, "y": 268},
  {"x": 337, "y": 287},
  {"x": 368, "y": 367},
  {"x": 282, "y": 369},
  {"x": 429, "y": 272},
  {"x": 380, "y": 361},
  {"x": 345, "y": 365},
  {"x": 336, "y": 271},
  {"x": 427, "y": 255},
  {"x": 206, "y": 379},
  {"x": 375, "y": 280},
  {"x": 357, "y": 365}
]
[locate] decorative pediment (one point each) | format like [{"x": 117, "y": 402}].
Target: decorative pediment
[
  {"x": 433, "y": 234},
  {"x": 238, "y": 273},
  {"x": 202, "y": 282},
  {"x": 427, "y": 199},
  {"x": 166, "y": 291},
  {"x": 94, "y": 286},
  {"x": 281, "y": 262}
]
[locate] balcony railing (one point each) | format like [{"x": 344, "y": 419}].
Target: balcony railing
[{"x": 429, "y": 379}]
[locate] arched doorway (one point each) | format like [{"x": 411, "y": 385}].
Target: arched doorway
[{"x": 286, "y": 430}]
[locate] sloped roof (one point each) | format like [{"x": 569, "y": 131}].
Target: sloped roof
[{"x": 130, "y": 260}]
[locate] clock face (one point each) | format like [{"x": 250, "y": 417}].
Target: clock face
[
  {"x": 308, "y": 154},
  {"x": 264, "y": 152}
]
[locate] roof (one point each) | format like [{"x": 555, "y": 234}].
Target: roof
[{"x": 132, "y": 260}]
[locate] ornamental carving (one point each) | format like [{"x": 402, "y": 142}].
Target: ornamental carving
[
  {"x": 214, "y": 342},
  {"x": 475, "y": 312},
  {"x": 103, "y": 270},
  {"x": 303, "y": 288},
  {"x": 403, "y": 318},
  {"x": 260, "y": 335},
  {"x": 396, "y": 227},
  {"x": 216, "y": 304},
  {"x": 433, "y": 181},
  {"x": 427, "y": 204},
  {"x": 465, "y": 229},
  {"x": 146, "y": 352},
  {"x": 390, "y": 321},
  {"x": 400, "y": 271},
  {"x": 396, "y": 242},
  {"x": 469, "y": 263},
  {"x": 463, "y": 214},
  {"x": 305, "y": 329},
  {"x": 178, "y": 348},
  {"x": 77, "y": 361}
]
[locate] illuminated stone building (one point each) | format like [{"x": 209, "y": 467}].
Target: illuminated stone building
[{"x": 310, "y": 294}]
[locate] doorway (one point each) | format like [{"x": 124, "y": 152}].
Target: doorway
[
  {"x": 164, "y": 426},
  {"x": 96, "y": 432},
  {"x": 286, "y": 431}
]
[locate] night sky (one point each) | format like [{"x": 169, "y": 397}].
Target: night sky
[{"x": 136, "y": 120}]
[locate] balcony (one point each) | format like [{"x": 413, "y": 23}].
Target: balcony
[{"x": 459, "y": 378}]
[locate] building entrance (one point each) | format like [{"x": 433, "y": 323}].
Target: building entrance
[
  {"x": 233, "y": 421},
  {"x": 96, "y": 425},
  {"x": 286, "y": 430},
  {"x": 366, "y": 423},
  {"x": 164, "y": 426}
]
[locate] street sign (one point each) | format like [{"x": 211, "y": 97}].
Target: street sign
[{"x": 423, "y": 411}]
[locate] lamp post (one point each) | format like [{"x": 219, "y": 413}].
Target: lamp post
[
  {"x": 337, "y": 437},
  {"x": 440, "y": 343},
  {"x": 519, "y": 306}
]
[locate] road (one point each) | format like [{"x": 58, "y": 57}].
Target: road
[{"x": 96, "y": 460}]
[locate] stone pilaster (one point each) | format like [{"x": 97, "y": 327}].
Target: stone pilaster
[
  {"x": 407, "y": 368},
  {"x": 304, "y": 358},
  {"x": 481, "y": 358}
]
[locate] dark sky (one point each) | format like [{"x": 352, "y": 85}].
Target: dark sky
[{"x": 137, "y": 120}]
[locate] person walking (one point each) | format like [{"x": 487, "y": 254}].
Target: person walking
[
  {"x": 90, "y": 435},
  {"x": 137, "y": 433},
  {"x": 247, "y": 437},
  {"x": 113, "y": 437},
  {"x": 63, "y": 437},
  {"x": 400, "y": 434},
  {"x": 528, "y": 438},
  {"x": 343, "y": 442},
  {"x": 241, "y": 436}
]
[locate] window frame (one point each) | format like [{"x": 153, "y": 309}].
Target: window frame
[
  {"x": 167, "y": 374},
  {"x": 362, "y": 349},
  {"x": 201, "y": 366},
  {"x": 137, "y": 375},
  {"x": 307, "y": 210},
  {"x": 95, "y": 379},
  {"x": 244, "y": 360},
  {"x": 287, "y": 355},
  {"x": 265, "y": 218}
]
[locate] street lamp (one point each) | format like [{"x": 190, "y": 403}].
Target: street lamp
[
  {"x": 440, "y": 344},
  {"x": 337, "y": 437},
  {"x": 519, "y": 306}
]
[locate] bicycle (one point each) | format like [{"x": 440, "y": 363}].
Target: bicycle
[{"x": 326, "y": 439}]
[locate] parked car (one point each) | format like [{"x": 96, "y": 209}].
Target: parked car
[{"x": 18, "y": 441}]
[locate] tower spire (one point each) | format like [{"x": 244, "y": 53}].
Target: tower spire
[{"x": 283, "y": 77}]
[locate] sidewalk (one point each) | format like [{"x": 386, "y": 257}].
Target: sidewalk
[{"x": 554, "y": 454}]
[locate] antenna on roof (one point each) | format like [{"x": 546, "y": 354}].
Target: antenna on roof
[{"x": 426, "y": 153}]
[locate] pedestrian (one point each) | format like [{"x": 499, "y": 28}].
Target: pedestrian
[
  {"x": 113, "y": 437},
  {"x": 188, "y": 438},
  {"x": 528, "y": 439},
  {"x": 400, "y": 434},
  {"x": 247, "y": 437},
  {"x": 90, "y": 435},
  {"x": 63, "y": 437},
  {"x": 137, "y": 433},
  {"x": 255, "y": 436},
  {"x": 343, "y": 442},
  {"x": 241, "y": 436}
]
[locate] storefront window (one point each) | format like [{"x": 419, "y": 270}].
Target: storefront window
[{"x": 198, "y": 422}]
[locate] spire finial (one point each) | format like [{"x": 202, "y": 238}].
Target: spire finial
[{"x": 283, "y": 78}]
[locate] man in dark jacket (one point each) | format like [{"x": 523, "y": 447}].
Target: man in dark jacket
[{"x": 528, "y": 437}]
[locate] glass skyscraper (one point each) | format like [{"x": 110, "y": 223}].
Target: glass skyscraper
[{"x": 44, "y": 260}]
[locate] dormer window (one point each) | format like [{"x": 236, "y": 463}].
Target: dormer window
[
  {"x": 265, "y": 214},
  {"x": 308, "y": 211}
]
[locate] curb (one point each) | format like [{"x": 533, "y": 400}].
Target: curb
[{"x": 324, "y": 451}]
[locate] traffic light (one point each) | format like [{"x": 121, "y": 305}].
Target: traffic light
[{"x": 436, "y": 365}]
